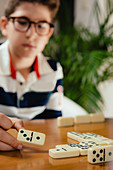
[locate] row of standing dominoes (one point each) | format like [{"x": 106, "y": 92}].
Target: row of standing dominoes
[
  {"x": 96, "y": 153},
  {"x": 31, "y": 137},
  {"x": 88, "y": 118}
]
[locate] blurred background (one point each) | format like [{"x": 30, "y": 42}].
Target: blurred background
[{"x": 82, "y": 43}]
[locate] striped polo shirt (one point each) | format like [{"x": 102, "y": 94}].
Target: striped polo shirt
[{"x": 38, "y": 97}]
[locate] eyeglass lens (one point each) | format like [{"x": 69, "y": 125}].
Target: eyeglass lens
[{"x": 22, "y": 24}]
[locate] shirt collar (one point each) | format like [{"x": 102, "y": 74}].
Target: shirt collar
[{"x": 35, "y": 67}]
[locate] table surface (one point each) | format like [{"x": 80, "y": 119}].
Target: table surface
[{"x": 33, "y": 158}]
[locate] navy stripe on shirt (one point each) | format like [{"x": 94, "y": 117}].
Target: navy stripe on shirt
[
  {"x": 48, "y": 114},
  {"x": 30, "y": 99},
  {"x": 33, "y": 99},
  {"x": 53, "y": 64},
  {"x": 59, "y": 82},
  {"x": 8, "y": 98}
]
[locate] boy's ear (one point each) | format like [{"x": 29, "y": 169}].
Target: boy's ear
[
  {"x": 51, "y": 32},
  {"x": 3, "y": 25}
]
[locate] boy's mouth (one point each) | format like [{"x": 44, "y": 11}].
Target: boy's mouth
[{"x": 29, "y": 46}]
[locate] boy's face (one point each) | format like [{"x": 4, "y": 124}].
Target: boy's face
[{"x": 29, "y": 43}]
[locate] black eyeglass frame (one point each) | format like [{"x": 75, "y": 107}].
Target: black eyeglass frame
[{"x": 30, "y": 22}]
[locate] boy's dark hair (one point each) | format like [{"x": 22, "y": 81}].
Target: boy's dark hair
[{"x": 52, "y": 5}]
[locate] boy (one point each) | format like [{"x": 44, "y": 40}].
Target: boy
[{"x": 30, "y": 84}]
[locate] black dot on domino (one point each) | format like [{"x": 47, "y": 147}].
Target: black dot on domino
[
  {"x": 24, "y": 135},
  {"x": 97, "y": 155},
  {"x": 110, "y": 153},
  {"x": 94, "y": 152},
  {"x": 57, "y": 149},
  {"x": 22, "y": 131},
  {"x": 101, "y": 151},
  {"x": 27, "y": 139},
  {"x": 101, "y": 159},
  {"x": 37, "y": 137},
  {"x": 94, "y": 160}
]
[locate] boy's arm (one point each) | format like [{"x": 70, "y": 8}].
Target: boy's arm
[
  {"x": 54, "y": 105},
  {"x": 55, "y": 101},
  {"x": 7, "y": 141}
]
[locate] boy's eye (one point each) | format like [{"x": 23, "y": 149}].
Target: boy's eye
[
  {"x": 42, "y": 26},
  {"x": 22, "y": 22}
]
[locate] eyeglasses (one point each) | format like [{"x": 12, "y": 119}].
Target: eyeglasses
[{"x": 23, "y": 24}]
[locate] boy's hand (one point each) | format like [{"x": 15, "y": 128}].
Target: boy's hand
[{"x": 7, "y": 141}]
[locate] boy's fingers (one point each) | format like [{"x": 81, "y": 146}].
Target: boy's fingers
[
  {"x": 8, "y": 139},
  {"x": 17, "y": 123},
  {"x": 5, "y": 122},
  {"x": 6, "y": 147}
]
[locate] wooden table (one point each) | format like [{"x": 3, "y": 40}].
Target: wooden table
[{"x": 37, "y": 158}]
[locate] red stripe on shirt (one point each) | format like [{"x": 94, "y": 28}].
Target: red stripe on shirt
[
  {"x": 36, "y": 68},
  {"x": 13, "y": 71}
]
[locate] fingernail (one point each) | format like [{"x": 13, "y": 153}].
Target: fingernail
[{"x": 19, "y": 147}]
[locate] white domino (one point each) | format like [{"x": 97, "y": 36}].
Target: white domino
[
  {"x": 109, "y": 141},
  {"x": 78, "y": 136},
  {"x": 31, "y": 137},
  {"x": 82, "y": 146},
  {"x": 93, "y": 135},
  {"x": 63, "y": 152},
  {"x": 85, "y": 137},
  {"x": 96, "y": 138},
  {"x": 101, "y": 140},
  {"x": 100, "y": 154},
  {"x": 97, "y": 117},
  {"x": 65, "y": 121},
  {"x": 82, "y": 119},
  {"x": 89, "y": 118}
]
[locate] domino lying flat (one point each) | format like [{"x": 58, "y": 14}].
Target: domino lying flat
[
  {"x": 100, "y": 139},
  {"x": 64, "y": 152},
  {"x": 89, "y": 118},
  {"x": 31, "y": 137},
  {"x": 78, "y": 136},
  {"x": 100, "y": 154},
  {"x": 84, "y": 137},
  {"x": 82, "y": 146},
  {"x": 96, "y": 154},
  {"x": 71, "y": 150}
]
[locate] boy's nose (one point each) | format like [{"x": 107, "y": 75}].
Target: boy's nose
[{"x": 31, "y": 31}]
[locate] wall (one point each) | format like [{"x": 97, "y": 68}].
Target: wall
[
  {"x": 2, "y": 3},
  {"x": 84, "y": 14}
]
